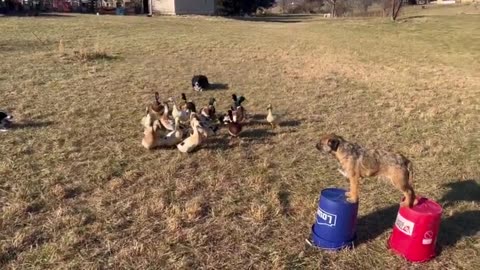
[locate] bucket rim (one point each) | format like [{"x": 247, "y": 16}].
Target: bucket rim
[
  {"x": 338, "y": 192},
  {"x": 421, "y": 200},
  {"x": 349, "y": 244}
]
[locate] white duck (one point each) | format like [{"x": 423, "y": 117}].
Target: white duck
[
  {"x": 206, "y": 127},
  {"x": 147, "y": 119},
  {"x": 173, "y": 137},
  {"x": 271, "y": 118},
  {"x": 194, "y": 140},
  {"x": 183, "y": 115},
  {"x": 151, "y": 135},
  {"x": 167, "y": 122}
]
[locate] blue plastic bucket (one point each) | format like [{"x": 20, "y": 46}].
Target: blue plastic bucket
[{"x": 336, "y": 220}]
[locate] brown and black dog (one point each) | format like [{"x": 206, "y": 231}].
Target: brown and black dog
[{"x": 358, "y": 162}]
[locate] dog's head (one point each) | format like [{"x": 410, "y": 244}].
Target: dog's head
[
  {"x": 329, "y": 143},
  {"x": 197, "y": 86},
  {"x": 5, "y": 120},
  {"x": 5, "y": 116}
]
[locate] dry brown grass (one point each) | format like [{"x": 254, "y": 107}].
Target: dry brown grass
[{"x": 77, "y": 190}]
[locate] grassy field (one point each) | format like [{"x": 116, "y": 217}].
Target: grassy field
[{"x": 78, "y": 191}]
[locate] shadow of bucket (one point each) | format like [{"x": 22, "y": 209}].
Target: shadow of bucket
[
  {"x": 415, "y": 232},
  {"x": 336, "y": 221}
]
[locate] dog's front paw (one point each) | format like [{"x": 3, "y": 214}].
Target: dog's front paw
[
  {"x": 415, "y": 202},
  {"x": 404, "y": 204},
  {"x": 352, "y": 200},
  {"x": 349, "y": 198},
  {"x": 407, "y": 204}
]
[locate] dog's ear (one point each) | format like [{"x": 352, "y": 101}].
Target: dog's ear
[{"x": 333, "y": 144}]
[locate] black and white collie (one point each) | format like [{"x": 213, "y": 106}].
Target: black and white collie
[
  {"x": 200, "y": 82},
  {"x": 5, "y": 121}
]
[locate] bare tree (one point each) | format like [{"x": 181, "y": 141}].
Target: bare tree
[
  {"x": 395, "y": 5},
  {"x": 333, "y": 6},
  {"x": 284, "y": 6}
]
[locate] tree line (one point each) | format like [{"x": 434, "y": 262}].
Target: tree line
[
  {"x": 240, "y": 7},
  {"x": 336, "y": 8}
]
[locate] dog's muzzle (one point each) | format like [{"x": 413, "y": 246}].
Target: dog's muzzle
[{"x": 323, "y": 148}]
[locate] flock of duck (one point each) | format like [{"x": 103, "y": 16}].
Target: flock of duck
[
  {"x": 180, "y": 124},
  {"x": 171, "y": 123}
]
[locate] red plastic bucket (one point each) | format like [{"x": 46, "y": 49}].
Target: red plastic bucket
[{"x": 415, "y": 232}]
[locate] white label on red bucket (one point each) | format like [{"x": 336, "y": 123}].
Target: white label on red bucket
[
  {"x": 326, "y": 218},
  {"x": 427, "y": 238},
  {"x": 404, "y": 225}
]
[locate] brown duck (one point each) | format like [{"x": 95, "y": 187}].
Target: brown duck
[{"x": 234, "y": 128}]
